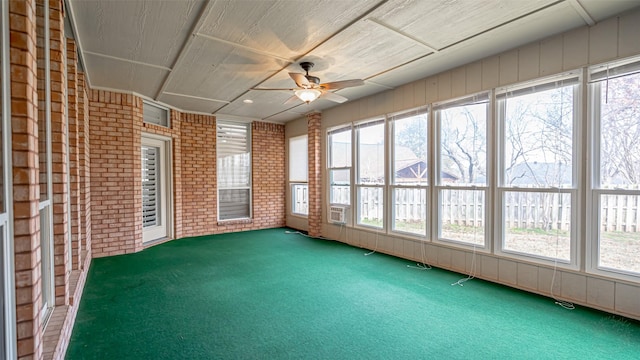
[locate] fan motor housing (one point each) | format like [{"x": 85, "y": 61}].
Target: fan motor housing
[{"x": 313, "y": 79}]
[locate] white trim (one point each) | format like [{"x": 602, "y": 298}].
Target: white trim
[
  {"x": 47, "y": 249},
  {"x": 10, "y": 350},
  {"x": 165, "y": 228}
]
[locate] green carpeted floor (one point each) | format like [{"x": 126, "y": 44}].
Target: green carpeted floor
[{"x": 270, "y": 295}]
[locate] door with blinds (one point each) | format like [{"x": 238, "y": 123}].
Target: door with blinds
[{"x": 155, "y": 195}]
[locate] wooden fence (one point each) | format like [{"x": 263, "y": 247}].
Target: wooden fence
[{"x": 527, "y": 210}]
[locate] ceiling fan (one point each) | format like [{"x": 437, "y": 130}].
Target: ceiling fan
[{"x": 309, "y": 87}]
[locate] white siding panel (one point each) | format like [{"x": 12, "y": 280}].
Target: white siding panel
[
  {"x": 420, "y": 93},
  {"x": 444, "y": 257},
  {"x": 444, "y": 86},
  {"x": 507, "y": 271},
  {"x": 490, "y": 72},
  {"x": 528, "y": 276},
  {"x": 600, "y": 293},
  {"x": 574, "y": 287},
  {"x": 474, "y": 77},
  {"x": 551, "y": 55},
  {"x": 458, "y": 261},
  {"x": 489, "y": 266},
  {"x": 628, "y": 299},
  {"x": 576, "y": 45},
  {"x": 431, "y": 89},
  {"x": 458, "y": 82},
  {"x": 602, "y": 41},
  {"x": 529, "y": 62},
  {"x": 629, "y": 29},
  {"x": 508, "y": 68},
  {"x": 545, "y": 277}
]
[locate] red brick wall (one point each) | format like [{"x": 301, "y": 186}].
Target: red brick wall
[
  {"x": 59, "y": 154},
  {"x": 116, "y": 197},
  {"x": 198, "y": 174},
  {"x": 269, "y": 185},
  {"x": 315, "y": 174},
  {"x": 25, "y": 177}
]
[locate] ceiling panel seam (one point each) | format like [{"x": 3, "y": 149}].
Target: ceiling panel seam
[
  {"x": 441, "y": 51},
  {"x": 206, "y": 8},
  {"x": 402, "y": 34},
  {"x": 577, "y": 6},
  {"x": 339, "y": 31},
  {"x": 195, "y": 97},
  {"x": 127, "y": 60}
]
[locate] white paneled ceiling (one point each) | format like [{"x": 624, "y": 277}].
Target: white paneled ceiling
[{"x": 206, "y": 56}]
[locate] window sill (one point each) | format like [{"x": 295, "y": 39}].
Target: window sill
[{"x": 234, "y": 222}]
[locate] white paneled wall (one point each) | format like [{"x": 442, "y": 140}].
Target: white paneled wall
[{"x": 612, "y": 39}]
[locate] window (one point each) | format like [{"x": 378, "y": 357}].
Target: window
[
  {"x": 462, "y": 164},
  {"x": 370, "y": 178},
  {"x": 537, "y": 188},
  {"x": 339, "y": 145},
  {"x": 410, "y": 175},
  {"x": 234, "y": 170},
  {"x": 616, "y": 152},
  {"x": 298, "y": 175},
  {"x": 155, "y": 114}
]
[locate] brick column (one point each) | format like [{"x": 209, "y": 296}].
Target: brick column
[
  {"x": 24, "y": 137},
  {"x": 59, "y": 154},
  {"x": 74, "y": 175},
  {"x": 315, "y": 175},
  {"x": 83, "y": 164}
]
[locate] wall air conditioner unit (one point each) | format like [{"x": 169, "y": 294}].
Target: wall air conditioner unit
[{"x": 337, "y": 214}]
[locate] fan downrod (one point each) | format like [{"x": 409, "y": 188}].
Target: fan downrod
[{"x": 306, "y": 66}]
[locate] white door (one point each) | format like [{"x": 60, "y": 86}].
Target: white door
[{"x": 155, "y": 185}]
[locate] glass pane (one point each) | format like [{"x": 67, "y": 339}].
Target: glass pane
[
  {"x": 340, "y": 149},
  {"x": 340, "y": 190},
  {"x": 463, "y": 145},
  {"x": 537, "y": 223},
  {"x": 150, "y": 186},
  {"x": 233, "y": 155},
  {"x": 155, "y": 115},
  {"x": 370, "y": 206},
  {"x": 371, "y": 154},
  {"x": 410, "y": 143},
  {"x": 300, "y": 199},
  {"x": 410, "y": 210},
  {"x": 619, "y": 233},
  {"x": 298, "y": 154},
  {"x": 538, "y": 139},
  {"x": 234, "y": 204},
  {"x": 620, "y": 131},
  {"x": 462, "y": 214}
]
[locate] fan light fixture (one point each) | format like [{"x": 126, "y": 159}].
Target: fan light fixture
[{"x": 308, "y": 95}]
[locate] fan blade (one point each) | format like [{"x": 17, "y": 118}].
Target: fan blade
[
  {"x": 274, "y": 89},
  {"x": 342, "y": 84},
  {"x": 333, "y": 97},
  {"x": 300, "y": 80},
  {"x": 291, "y": 100}
]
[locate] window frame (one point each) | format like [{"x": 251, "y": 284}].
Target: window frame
[
  {"x": 349, "y": 168},
  {"x": 295, "y": 183},
  {"x": 392, "y": 183},
  {"x": 571, "y": 78},
  {"x": 249, "y": 186},
  {"x": 358, "y": 185},
  {"x": 439, "y": 187},
  {"x": 603, "y": 73},
  {"x": 164, "y": 109}
]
